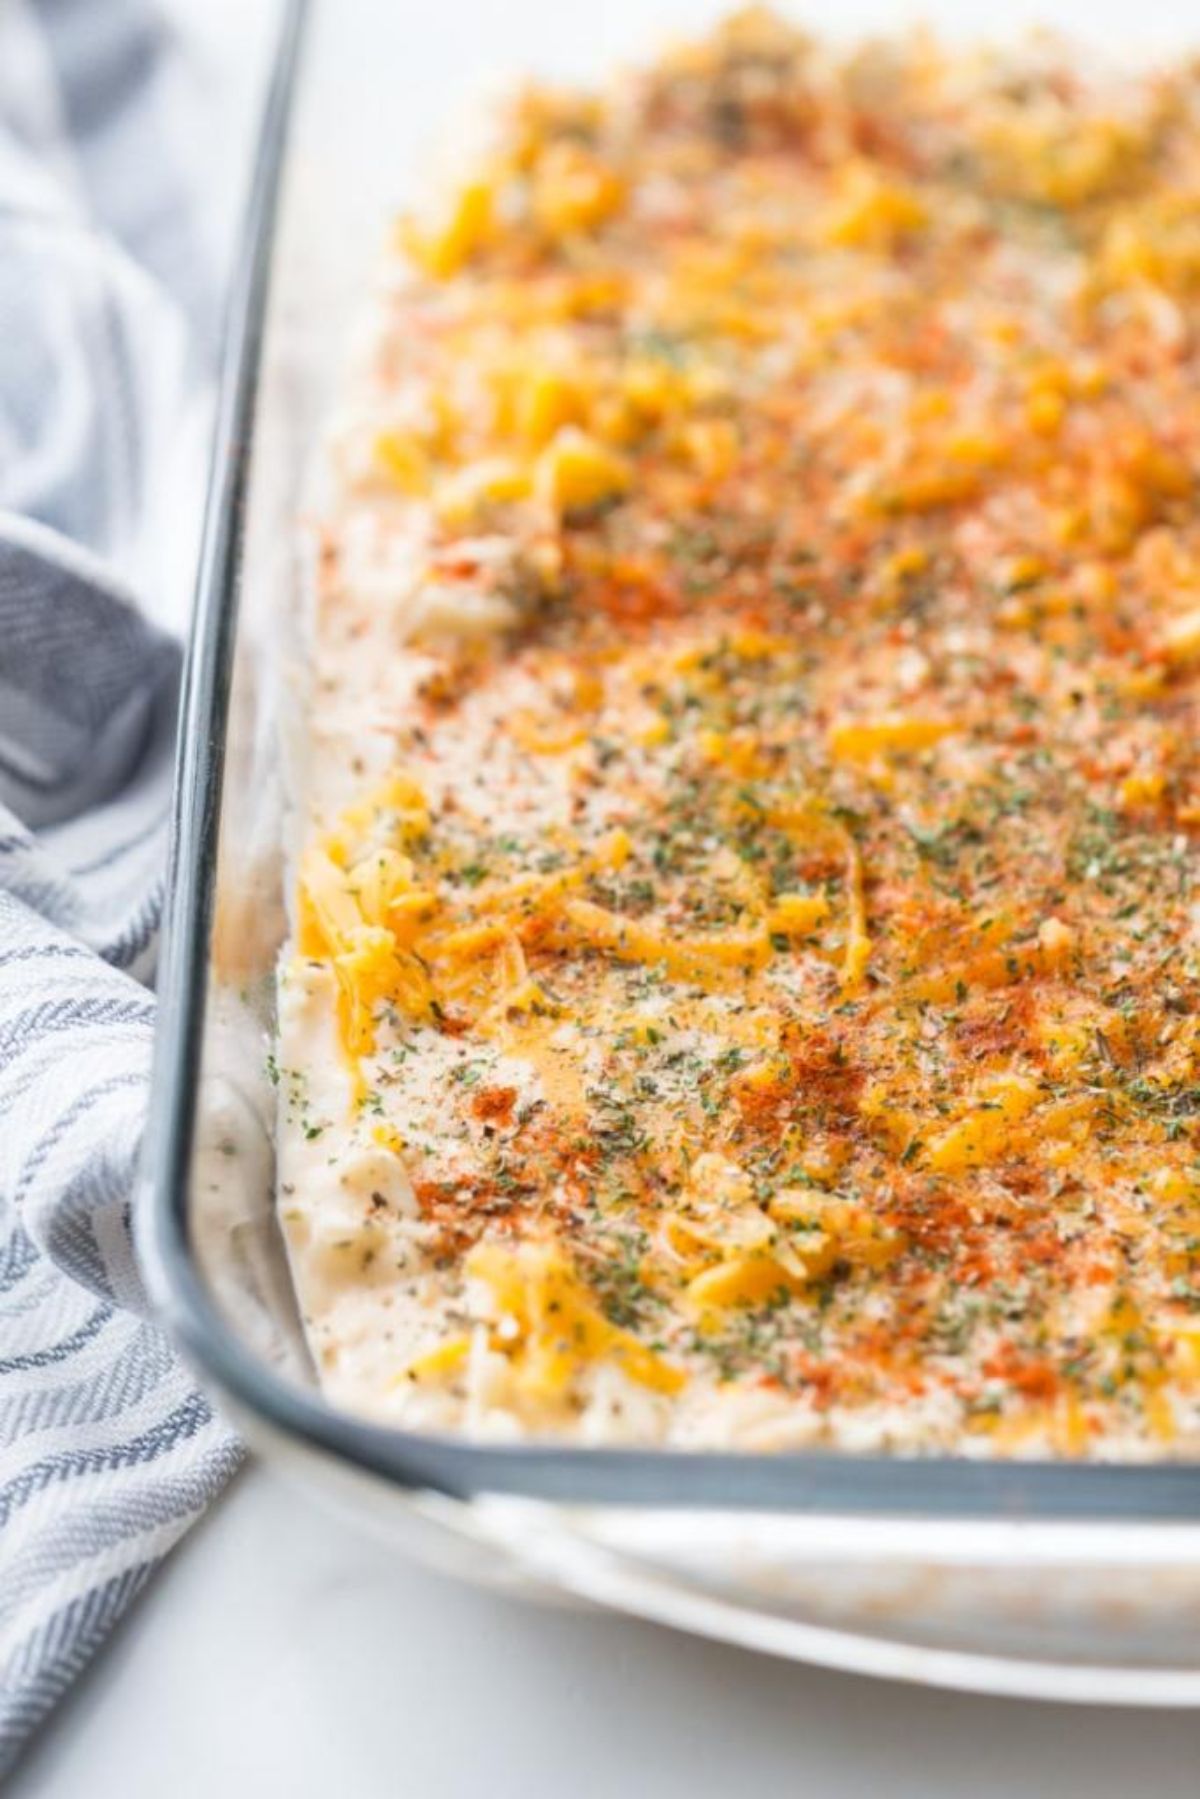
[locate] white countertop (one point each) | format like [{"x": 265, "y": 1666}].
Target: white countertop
[{"x": 282, "y": 1654}]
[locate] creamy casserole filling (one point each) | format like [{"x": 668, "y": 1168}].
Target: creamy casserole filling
[{"x": 744, "y": 971}]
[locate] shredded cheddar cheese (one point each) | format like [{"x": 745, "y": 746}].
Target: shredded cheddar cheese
[{"x": 746, "y": 938}]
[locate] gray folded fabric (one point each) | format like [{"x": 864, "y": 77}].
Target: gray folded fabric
[{"x": 107, "y": 338}]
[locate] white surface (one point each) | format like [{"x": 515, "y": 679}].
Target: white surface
[{"x": 282, "y": 1655}]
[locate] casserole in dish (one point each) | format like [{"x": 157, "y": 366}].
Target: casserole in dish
[
  {"x": 949, "y": 1558},
  {"x": 745, "y": 952}
]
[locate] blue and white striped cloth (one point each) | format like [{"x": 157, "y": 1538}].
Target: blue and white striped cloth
[{"x": 107, "y": 333}]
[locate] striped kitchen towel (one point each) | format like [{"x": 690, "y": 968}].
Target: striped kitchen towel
[{"x": 108, "y": 300}]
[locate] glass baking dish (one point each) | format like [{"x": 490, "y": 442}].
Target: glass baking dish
[{"x": 1059, "y": 1580}]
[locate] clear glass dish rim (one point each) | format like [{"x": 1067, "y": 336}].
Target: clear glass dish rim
[{"x": 933, "y": 1487}]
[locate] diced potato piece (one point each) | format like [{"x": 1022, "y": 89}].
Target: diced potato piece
[{"x": 378, "y": 1170}]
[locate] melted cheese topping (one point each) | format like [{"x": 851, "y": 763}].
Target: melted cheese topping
[{"x": 745, "y": 958}]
